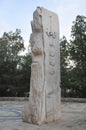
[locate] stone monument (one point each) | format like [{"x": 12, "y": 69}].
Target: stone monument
[{"x": 44, "y": 100}]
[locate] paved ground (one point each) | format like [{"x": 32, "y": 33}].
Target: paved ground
[{"x": 73, "y": 117}]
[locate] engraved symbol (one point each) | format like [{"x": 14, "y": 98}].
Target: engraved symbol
[
  {"x": 51, "y": 45},
  {"x": 54, "y": 35},
  {"x": 52, "y": 54},
  {"x": 50, "y": 33},
  {"x": 52, "y": 63},
  {"x": 52, "y": 72}
]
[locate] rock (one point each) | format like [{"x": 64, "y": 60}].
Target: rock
[{"x": 45, "y": 90}]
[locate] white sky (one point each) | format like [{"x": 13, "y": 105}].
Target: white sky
[{"x": 18, "y": 14}]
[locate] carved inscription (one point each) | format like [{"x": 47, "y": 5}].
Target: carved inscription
[
  {"x": 52, "y": 72},
  {"x": 51, "y": 45},
  {"x": 51, "y": 34},
  {"x": 52, "y": 54},
  {"x": 52, "y": 63}
]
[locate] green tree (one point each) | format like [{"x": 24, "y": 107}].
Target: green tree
[
  {"x": 64, "y": 65},
  {"x": 26, "y": 73},
  {"x": 78, "y": 55},
  {"x": 10, "y": 45}
]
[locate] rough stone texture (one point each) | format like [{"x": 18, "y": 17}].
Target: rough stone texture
[{"x": 44, "y": 100}]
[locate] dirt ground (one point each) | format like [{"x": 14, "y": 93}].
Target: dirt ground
[{"x": 73, "y": 117}]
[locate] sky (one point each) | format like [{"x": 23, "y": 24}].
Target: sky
[{"x": 17, "y": 14}]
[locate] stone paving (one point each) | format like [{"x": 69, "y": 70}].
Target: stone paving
[{"x": 73, "y": 117}]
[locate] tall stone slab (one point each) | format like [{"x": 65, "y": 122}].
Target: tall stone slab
[{"x": 44, "y": 100}]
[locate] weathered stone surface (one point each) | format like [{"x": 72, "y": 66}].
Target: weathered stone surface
[{"x": 44, "y": 100}]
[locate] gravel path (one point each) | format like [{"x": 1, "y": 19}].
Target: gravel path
[{"x": 73, "y": 117}]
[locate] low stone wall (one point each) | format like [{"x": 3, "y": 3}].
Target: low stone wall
[
  {"x": 81, "y": 100},
  {"x": 14, "y": 98}
]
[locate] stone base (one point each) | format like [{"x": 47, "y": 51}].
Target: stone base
[{"x": 28, "y": 116}]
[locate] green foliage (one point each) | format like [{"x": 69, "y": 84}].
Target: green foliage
[
  {"x": 73, "y": 80},
  {"x": 64, "y": 65},
  {"x": 12, "y": 74},
  {"x": 78, "y": 54},
  {"x": 26, "y": 71}
]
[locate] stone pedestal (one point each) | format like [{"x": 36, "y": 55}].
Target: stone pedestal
[{"x": 44, "y": 100}]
